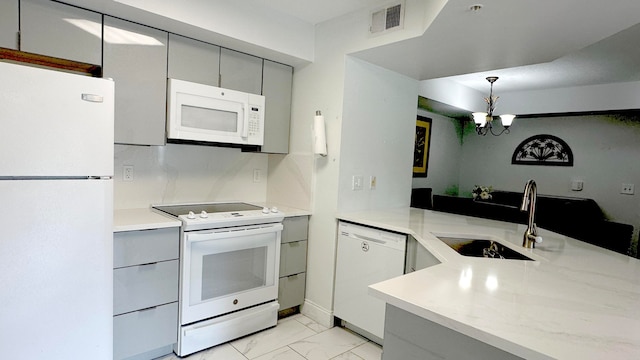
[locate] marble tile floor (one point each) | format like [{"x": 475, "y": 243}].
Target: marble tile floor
[{"x": 294, "y": 338}]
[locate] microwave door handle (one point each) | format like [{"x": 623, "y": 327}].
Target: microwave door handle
[{"x": 245, "y": 123}]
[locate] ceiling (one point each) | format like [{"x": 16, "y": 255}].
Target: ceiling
[
  {"x": 528, "y": 44},
  {"x": 317, "y": 11}
]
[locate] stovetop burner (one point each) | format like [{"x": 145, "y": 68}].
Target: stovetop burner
[
  {"x": 210, "y": 208},
  {"x": 201, "y": 216}
]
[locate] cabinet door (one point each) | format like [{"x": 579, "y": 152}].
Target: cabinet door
[
  {"x": 291, "y": 290},
  {"x": 193, "y": 60},
  {"x": 296, "y": 228},
  {"x": 144, "y": 286},
  {"x": 138, "y": 332},
  {"x": 145, "y": 246},
  {"x": 276, "y": 87},
  {"x": 63, "y": 31},
  {"x": 240, "y": 72},
  {"x": 293, "y": 258},
  {"x": 135, "y": 56},
  {"x": 9, "y": 24}
]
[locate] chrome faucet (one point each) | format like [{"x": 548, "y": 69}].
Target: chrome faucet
[{"x": 529, "y": 198}]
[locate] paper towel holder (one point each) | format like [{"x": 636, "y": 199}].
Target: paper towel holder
[{"x": 319, "y": 135}]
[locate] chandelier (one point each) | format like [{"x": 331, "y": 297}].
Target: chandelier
[{"x": 484, "y": 121}]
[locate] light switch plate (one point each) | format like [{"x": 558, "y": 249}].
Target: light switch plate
[
  {"x": 356, "y": 182},
  {"x": 577, "y": 185}
]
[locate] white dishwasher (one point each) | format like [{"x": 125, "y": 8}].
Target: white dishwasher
[{"x": 365, "y": 256}]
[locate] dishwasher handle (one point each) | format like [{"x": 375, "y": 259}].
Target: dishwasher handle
[
  {"x": 388, "y": 243},
  {"x": 367, "y": 238}
]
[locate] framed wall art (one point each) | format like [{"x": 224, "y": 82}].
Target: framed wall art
[
  {"x": 421, "y": 147},
  {"x": 545, "y": 150}
]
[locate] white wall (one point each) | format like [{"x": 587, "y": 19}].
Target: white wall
[
  {"x": 605, "y": 153},
  {"x": 187, "y": 173},
  {"x": 603, "y": 97},
  {"x": 378, "y": 129},
  {"x": 445, "y": 150},
  {"x": 321, "y": 86},
  {"x": 453, "y": 93}
]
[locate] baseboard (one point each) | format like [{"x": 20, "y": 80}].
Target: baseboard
[{"x": 317, "y": 313}]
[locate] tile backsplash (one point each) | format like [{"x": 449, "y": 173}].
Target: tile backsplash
[{"x": 187, "y": 173}]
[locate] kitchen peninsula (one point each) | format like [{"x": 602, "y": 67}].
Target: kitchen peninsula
[{"x": 574, "y": 301}]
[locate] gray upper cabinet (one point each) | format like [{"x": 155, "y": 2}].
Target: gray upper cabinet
[
  {"x": 276, "y": 87},
  {"x": 135, "y": 56},
  {"x": 9, "y": 24},
  {"x": 62, "y": 31},
  {"x": 193, "y": 60},
  {"x": 239, "y": 71}
]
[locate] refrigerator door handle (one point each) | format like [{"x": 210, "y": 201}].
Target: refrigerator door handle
[{"x": 93, "y": 98}]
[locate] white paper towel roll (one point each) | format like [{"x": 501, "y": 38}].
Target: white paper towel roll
[{"x": 319, "y": 136}]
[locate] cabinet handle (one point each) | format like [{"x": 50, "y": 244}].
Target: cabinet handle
[{"x": 147, "y": 309}]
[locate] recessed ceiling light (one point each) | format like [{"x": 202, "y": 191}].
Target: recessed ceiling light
[{"x": 476, "y": 7}]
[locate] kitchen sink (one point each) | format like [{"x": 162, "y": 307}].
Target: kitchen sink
[{"x": 482, "y": 248}]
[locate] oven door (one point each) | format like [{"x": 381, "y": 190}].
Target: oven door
[{"x": 224, "y": 270}]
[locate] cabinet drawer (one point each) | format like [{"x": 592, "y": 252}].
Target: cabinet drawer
[
  {"x": 145, "y": 330},
  {"x": 295, "y": 228},
  {"x": 144, "y": 286},
  {"x": 291, "y": 290},
  {"x": 143, "y": 247},
  {"x": 293, "y": 258}
]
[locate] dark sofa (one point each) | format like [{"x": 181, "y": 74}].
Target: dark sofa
[{"x": 578, "y": 218}]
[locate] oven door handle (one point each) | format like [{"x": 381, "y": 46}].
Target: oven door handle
[{"x": 233, "y": 232}]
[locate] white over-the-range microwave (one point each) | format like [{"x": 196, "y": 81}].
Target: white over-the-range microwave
[{"x": 208, "y": 114}]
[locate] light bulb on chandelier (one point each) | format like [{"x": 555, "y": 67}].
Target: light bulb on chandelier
[{"x": 484, "y": 120}]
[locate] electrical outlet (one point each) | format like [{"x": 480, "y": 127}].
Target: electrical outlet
[
  {"x": 356, "y": 182},
  {"x": 372, "y": 182},
  {"x": 257, "y": 175},
  {"x": 627, "y": 189},
  {"x": 127, "y": 173}
]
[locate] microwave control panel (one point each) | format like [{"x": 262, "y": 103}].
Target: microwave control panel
[{"x": 254, "y": 120}]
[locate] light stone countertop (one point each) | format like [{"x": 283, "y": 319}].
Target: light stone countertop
[
  {"x": 576, "y": 301},
  {"x": 141, "y": 219}
]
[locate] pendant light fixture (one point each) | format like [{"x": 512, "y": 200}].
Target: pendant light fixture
[{"x": 484, "y": 121}]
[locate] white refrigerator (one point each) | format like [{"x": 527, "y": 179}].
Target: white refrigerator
[{"x": 56, "y": 200}]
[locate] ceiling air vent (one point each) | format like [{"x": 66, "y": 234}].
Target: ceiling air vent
[{"x": 388, "y": 18}]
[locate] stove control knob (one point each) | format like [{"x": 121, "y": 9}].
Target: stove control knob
[
  {"x": 265, "y": 210},
  {"x": 274, "y": 209},
  {"x": 191, "y": 215},
  {"x": 204, "y": 214}
]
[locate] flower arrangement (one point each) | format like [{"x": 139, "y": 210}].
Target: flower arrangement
[{"x": 482, "y": 192}]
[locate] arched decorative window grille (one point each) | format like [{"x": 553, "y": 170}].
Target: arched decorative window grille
[{"x": 547, "y": 150}]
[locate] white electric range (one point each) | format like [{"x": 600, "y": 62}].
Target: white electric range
[{"x": 229, "y": 263}]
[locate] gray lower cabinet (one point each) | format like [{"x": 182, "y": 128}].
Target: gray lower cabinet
[
  {"x": 62, "y": 31},
  {"x": 9, "y": 24},
  {"x": 409, "y": 337},
  {"x": 193, "y": 60},
  {"x": 276, "y": 87},
  {"x": 145, "y": 293},
  {"x": 293, "y": 262},
  {"x": 135, "y": 56},
  {"x": 240, "y": 71}
]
